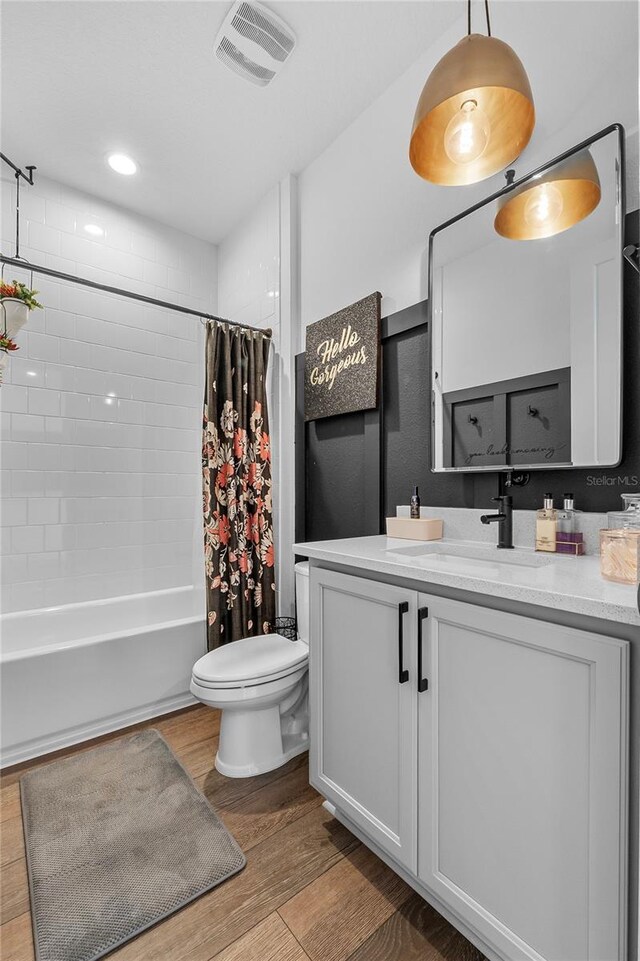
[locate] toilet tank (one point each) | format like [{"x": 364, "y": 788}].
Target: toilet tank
[{"x": 302, "y": 599}]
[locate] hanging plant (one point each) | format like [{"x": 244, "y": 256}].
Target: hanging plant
[
  {"x": 7, "y": 344},
  {"x": 17, "y": 291},
  {"x": 16, "y": 300}
]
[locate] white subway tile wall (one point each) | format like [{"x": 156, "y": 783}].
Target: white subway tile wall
[{"x": 101, "y": 406}]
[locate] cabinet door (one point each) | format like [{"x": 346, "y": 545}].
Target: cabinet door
[
  {"x": 363, "y": 706},
  {"x": 522, "y": 771}
]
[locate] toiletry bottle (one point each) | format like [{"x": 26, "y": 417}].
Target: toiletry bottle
[
  {"x": 415, "y": 505},
  {"x": 569, "y": 539},
  {"x": 568, "y": 516},
  {"x": 566, "y": 519},
  {"x": 546, "y": 525}
]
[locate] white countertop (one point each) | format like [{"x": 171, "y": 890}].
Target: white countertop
[{"x": 564, "y": 583}]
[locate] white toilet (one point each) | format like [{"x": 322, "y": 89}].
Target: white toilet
[{"x": 261, "y": 686}]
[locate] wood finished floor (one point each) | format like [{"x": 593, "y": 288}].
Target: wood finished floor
[{"x": 310, "y": 891}]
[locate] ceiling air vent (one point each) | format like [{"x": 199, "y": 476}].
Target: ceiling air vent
[{"x": 253, "y": 42}]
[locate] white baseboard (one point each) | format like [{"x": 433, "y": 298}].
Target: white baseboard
[{"x": 75, "y": 735}]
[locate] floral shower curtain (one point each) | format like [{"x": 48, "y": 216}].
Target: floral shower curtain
[{"x": 236, "y": 472}]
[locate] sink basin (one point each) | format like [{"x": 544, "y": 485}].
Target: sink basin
[{"x": 467, "y": 558}]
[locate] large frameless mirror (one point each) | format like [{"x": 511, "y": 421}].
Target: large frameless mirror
[{"x": 525, "y": 302}]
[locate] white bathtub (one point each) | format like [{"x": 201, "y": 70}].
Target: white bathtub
[{"x": 73, "y": 672}]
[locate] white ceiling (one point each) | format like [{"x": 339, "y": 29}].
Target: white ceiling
[{"x": 83, "y": 79}]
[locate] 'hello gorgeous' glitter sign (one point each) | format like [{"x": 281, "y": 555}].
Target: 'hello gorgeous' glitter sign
[{"x": 342, "y": 361}]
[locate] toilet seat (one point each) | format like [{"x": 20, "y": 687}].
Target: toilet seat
[
  {"x": 253, "y": 694},
  {"x": 252, "y": 661},
  {"x": 251, "y": 682}
]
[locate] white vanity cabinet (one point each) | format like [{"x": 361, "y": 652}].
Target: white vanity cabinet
[
  {"x": 363, "y": 746},
  {"x": 521, "y": 740},
  {"x": 495, "y": 774}
]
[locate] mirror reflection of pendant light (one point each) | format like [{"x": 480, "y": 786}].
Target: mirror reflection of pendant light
[
  {"x": 475, "y": 114},
  {"x": 558, "y": 199}
]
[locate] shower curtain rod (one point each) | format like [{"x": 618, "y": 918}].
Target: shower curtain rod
[{"x": 94, "y": 285}]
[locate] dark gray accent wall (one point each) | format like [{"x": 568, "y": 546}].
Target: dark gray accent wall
[
  {"x": 352, "y": 470},
  {"x": 337, "y": 476},
  {"x": 405, "y": 431}
]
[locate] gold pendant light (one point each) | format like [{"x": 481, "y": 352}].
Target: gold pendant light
[
  {"x": 475, "y": 114},
  {"x": 551, "y": 203}
]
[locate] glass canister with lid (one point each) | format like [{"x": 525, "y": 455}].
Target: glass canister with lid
[{"x": 620, "y": 543}]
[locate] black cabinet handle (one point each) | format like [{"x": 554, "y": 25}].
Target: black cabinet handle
[
  {"x": 403, "y": 675},
  {"x": 423, "y": 683}
]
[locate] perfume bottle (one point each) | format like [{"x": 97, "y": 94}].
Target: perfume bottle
[
  {"x": 569, "y": 540},
  {"x": 546, "y": 525},
  {"x": 415, "y": 505}
]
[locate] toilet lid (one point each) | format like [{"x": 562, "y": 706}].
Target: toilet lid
[{"x": 252, "y": 658}]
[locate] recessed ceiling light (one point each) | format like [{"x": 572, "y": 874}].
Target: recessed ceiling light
[
  {"x": 122, "y": 164},
  {"x": 94, "y": 230}
]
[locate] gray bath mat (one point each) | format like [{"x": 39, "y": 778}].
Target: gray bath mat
[{"x": 117, "y": 838}]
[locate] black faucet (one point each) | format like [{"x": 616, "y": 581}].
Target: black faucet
[{"x": 504, "y": 519}]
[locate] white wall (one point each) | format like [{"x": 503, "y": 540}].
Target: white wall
[
  {"x": 489, "y": 341},
  {"x": 257, "y": 283},
  {"x": 364, "y": 214},
  {"x": 249, "y": 268},
  {"x": 249, "y": 293},
  {"x": 101, "y": 407}
]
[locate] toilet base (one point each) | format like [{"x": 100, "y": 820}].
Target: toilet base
[
  {"x": 259, "y": 740},
  {"x": 292, "y": 746}
]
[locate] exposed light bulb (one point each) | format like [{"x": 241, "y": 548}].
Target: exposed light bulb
[
  {"x": 544, "y": 206},
  {"x": 467, "y": 133}
]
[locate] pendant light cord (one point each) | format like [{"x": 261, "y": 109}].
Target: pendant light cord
[{"x": 486, "y": 10}]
